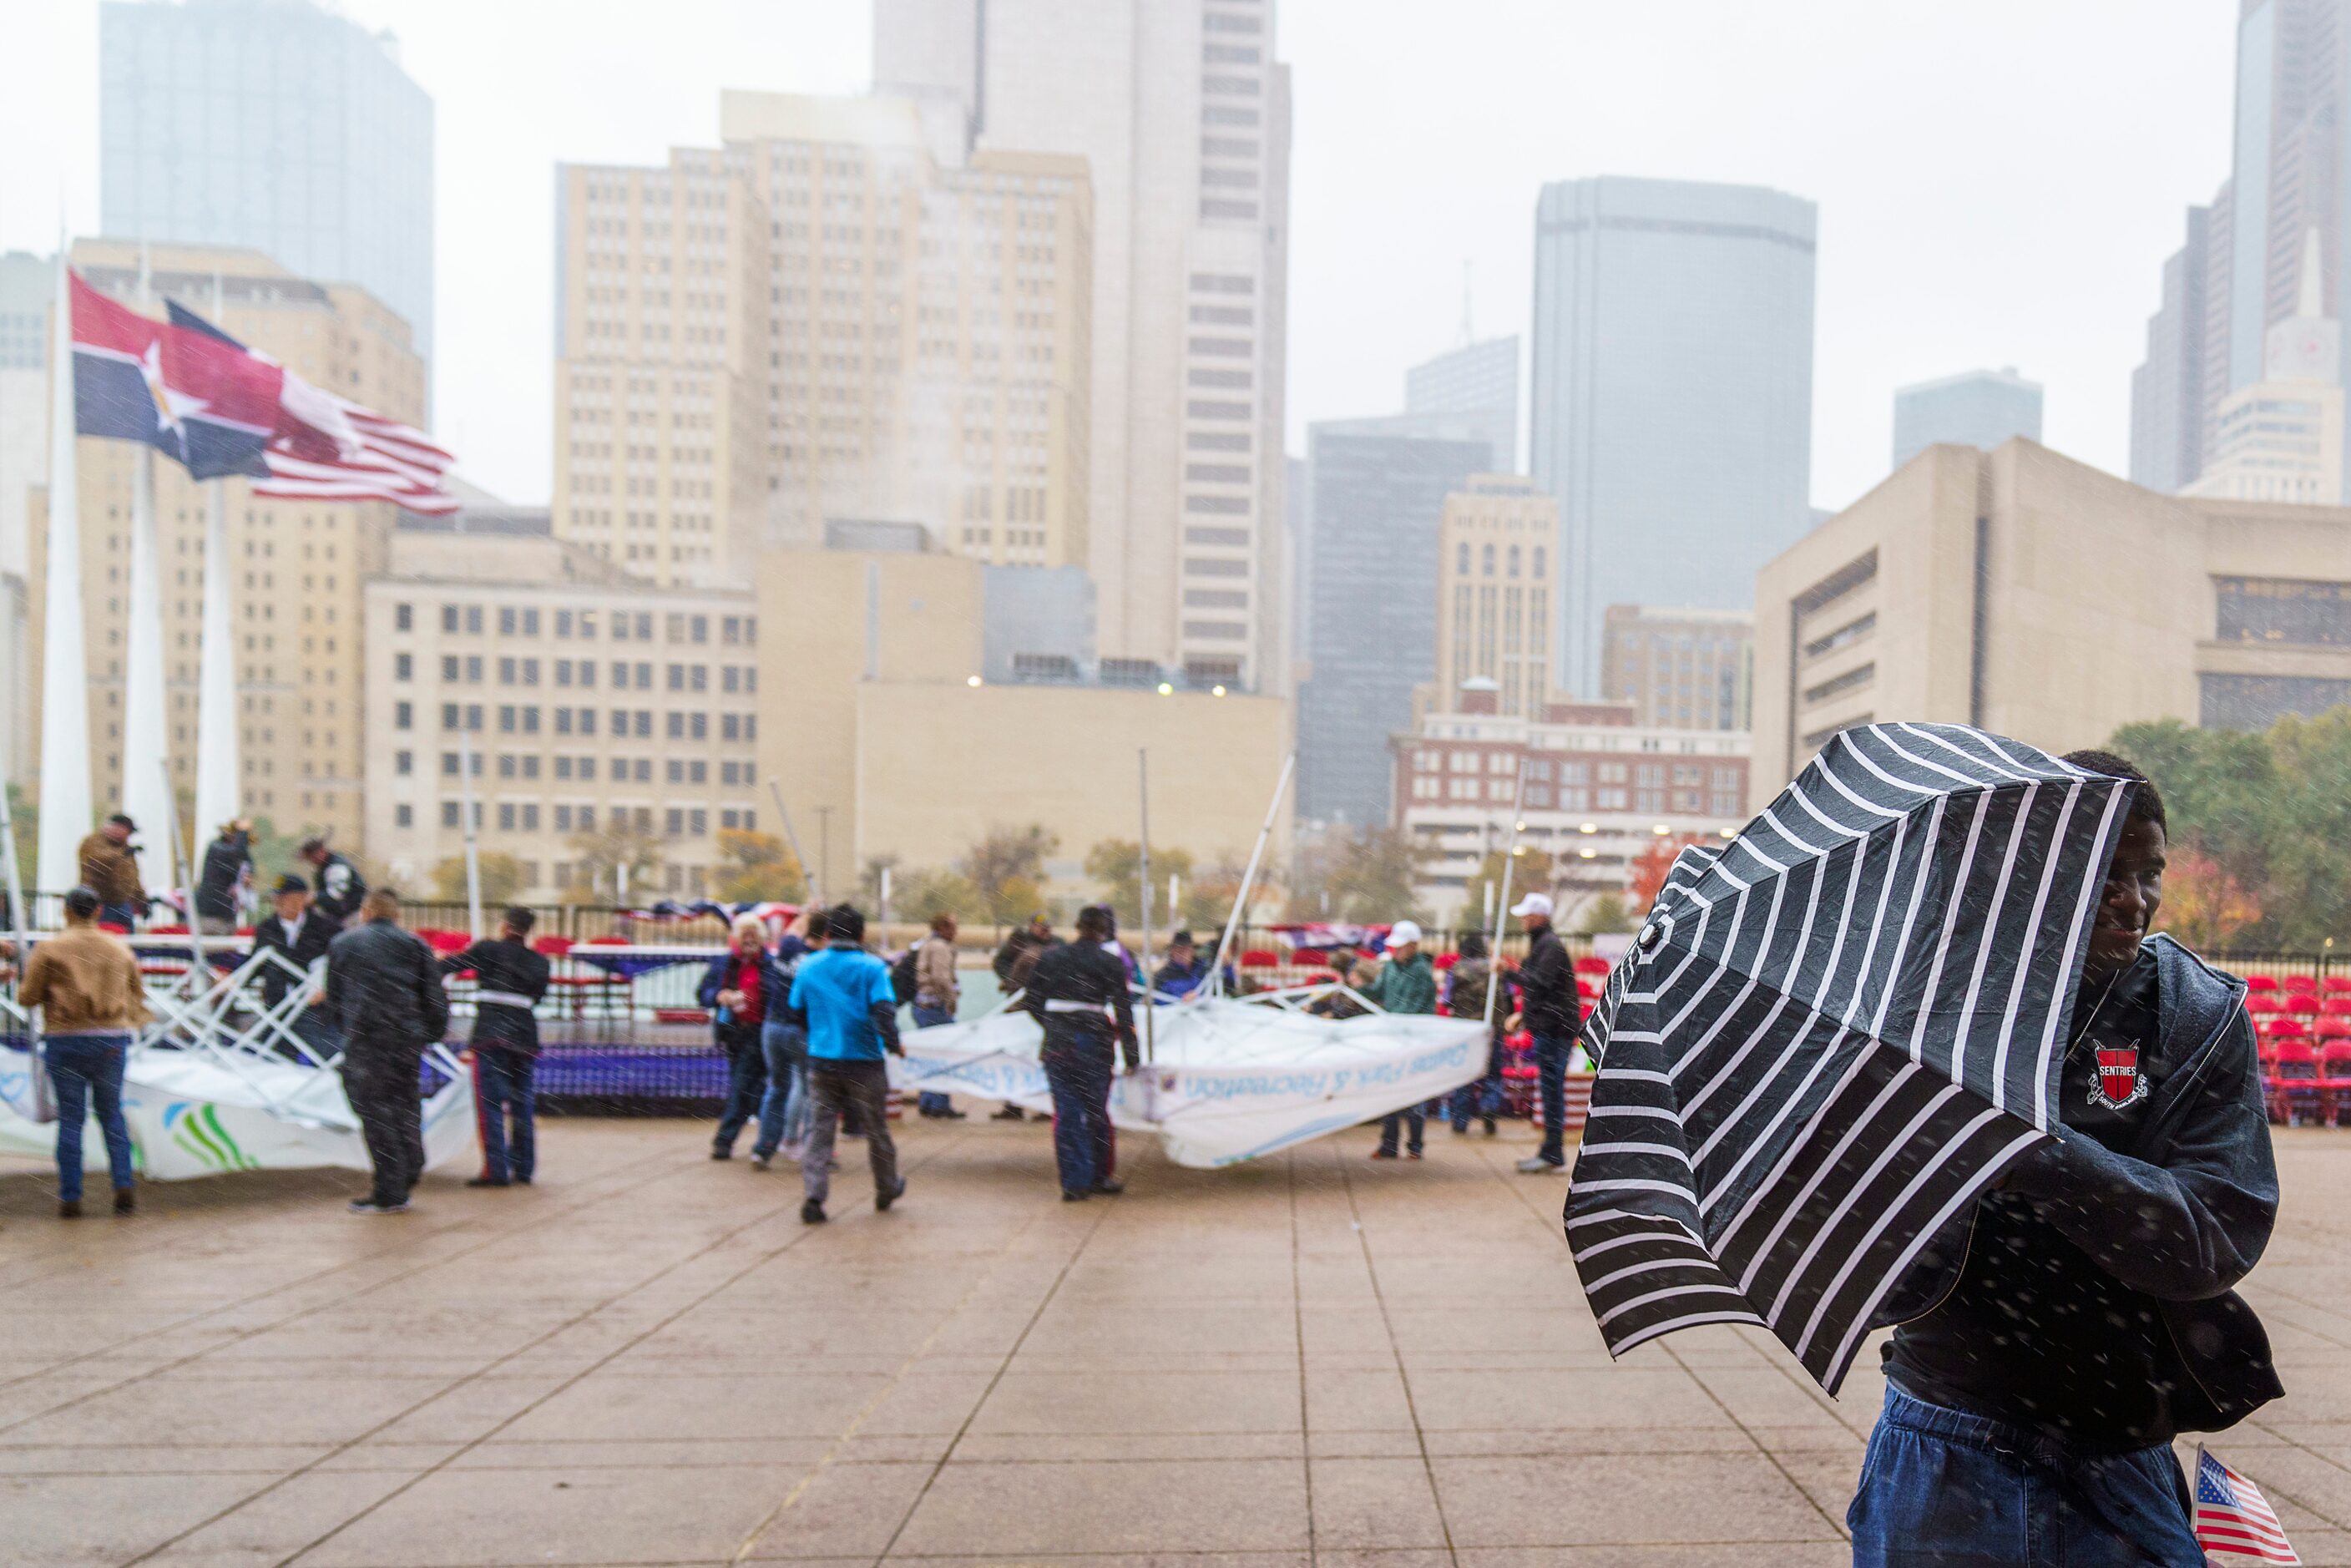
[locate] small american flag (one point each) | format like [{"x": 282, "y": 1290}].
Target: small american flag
[
  {"x": 328, "y": 448},
  {"x": 2234, "y": 1524}
]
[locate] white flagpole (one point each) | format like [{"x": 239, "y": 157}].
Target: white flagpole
[
  {"x": 1142, "y": 875},
  {"x": 218, "y": 770},
  {"x": 1240, "y": 901},
  {"x": 466, "y": 806},
  {"x": 1502, "y": 905},
  {"x": 66, "y": 808},
  {"x": 146, "y": 785}
]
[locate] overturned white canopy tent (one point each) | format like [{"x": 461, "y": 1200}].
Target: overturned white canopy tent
[
  {"x": 1229, "y": 1079},
  {"x": 219, "y": 1082}
]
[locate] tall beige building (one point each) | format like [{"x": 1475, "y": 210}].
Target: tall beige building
[
  {"x": 2036, "y": 597},
  {"x": 1680, "y": 667},
  {"x": 299, "y": 565},
  {"x": 838, "y": 315},
  {"x": 1182, "y": 114},
  {"x": 1496, "y": 590},
  {"x": 580, "y": 693},
  {"x": 662, "y": 299},
  {"x": 930, "y": 342}
]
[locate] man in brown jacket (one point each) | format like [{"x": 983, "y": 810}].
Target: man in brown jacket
[
  {"x": 110, "y": 869},
  {"x": 86, "y": 984},
  {"x": 937, "y": 992}
]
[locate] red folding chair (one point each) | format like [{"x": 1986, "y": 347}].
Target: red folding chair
[
  {"x": 2294, "y": 1082},
  {"x": 2333, "y": 1080}
]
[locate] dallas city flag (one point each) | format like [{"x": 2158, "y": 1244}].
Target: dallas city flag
[{"x": 118, "y": 370}]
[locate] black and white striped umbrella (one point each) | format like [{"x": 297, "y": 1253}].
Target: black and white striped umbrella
[{"x": 1833, "y": 1034}]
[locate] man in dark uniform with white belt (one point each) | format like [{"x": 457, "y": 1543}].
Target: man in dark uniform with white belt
[
  {"x": 508, "y": 981},
  {"x": 1079, "y": 994}
]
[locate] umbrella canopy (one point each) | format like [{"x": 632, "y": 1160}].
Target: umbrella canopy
[{"x": 1831, "y": 1033}]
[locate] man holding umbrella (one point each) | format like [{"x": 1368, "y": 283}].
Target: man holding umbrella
[{"x": 2053, "y": 1342}]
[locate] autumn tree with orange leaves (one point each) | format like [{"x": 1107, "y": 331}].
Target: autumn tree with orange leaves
[
  {"x": 1651, "y": 866},
  {"x": 2204, "y": 904}
]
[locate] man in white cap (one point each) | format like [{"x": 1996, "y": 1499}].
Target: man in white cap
[
  {"x": 1551, "y": 1011},
  {"x": 1407, "y": 983}
]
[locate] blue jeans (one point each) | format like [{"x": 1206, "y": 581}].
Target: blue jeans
[
  {"x": 930, "y": 1102},
  {"x": 1551, "y": 1053},
  {"x": 1943, "y": 1489},
  {"x": 746, "y": 1084},
  {"x": 502, "y": 1090},
  {"x": 784, "y": 1109},
  {"x": 87, "y": 1070},
  {"x": 1085, "y": 1147}
]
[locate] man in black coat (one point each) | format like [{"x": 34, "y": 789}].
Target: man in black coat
[
  {"x": 340, "y": 886},
  {"x": 509, "y": 980},
  {"x": 383, "y": 992},
  {"x": 228, "y": 869},
  {"x": 1078, "y": 995},
  {"x": 300, "y": 934},
  {"x": 1553, "y": 1012},
  {"x": 2055, "y": 1337}
]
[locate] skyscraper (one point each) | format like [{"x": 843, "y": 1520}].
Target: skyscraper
[
  {"x": 2281, "y": 438},
  {"x": 1379, "y": 503},
  {"x": 1478, "y": 381},
  {"x": 275, "y": 125},
  {"x": 2240, "y": 272},
  {"x": 1673, "y": 391},
  {"x": 661, "y": 343},
  {"x": 2168, "y": 390},
  {"x": 1977, "y": 408},
  {"x": 1496, "y": 550},
  {"x": 1183, "y": 117}
]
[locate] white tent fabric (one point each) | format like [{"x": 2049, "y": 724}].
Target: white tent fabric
[{"x": 1229, "y": 1079}]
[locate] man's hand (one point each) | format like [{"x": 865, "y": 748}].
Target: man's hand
[
  {"x": 730, "y": 999},
  {"x": 1514, "y": 1023}
]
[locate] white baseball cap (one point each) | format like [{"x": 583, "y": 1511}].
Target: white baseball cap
[
  {"x": 1532, "y": 904},
  {"x": 1403, "y": 933}
]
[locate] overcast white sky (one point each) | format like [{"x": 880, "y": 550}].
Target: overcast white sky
[{"x": 1999, "y": 180}]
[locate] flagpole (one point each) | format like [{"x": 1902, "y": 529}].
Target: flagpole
[
  {"x": 472, "y": 861},
  {"x": 1240, "y": 901},
  {"x": 146, "y": 788},
  {"x": 66, "y": 809},
  {"x": 1502, "y": 905},
  {"x": 1142, "y": 873},
  {"x": 219, "y": 770}
]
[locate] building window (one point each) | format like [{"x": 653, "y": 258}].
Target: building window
[
  {"x": 404, "y": 618},
  {"x": 404, "y": 816},
  {"x": 449, "y": 668},
  {"x": 403, "y": 667},
  {"x": 403, "y": 716},
  {"x": 449, "y": 814},
  {"x": 403, "y": 763}
]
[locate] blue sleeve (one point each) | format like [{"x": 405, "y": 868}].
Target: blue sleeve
[
  {"x": 798, "y": 998},
  {"x": 707, "y": 992},
  {"x": 879, "y": 992}
]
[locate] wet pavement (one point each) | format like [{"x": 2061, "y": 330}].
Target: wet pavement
[{"x": 647, "y": 1359}]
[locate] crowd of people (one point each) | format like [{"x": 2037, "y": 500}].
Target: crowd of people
[{"x": 804, "y": 1021}]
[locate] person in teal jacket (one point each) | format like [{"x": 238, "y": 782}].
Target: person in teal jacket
[{"x": 1407, "y": 983}]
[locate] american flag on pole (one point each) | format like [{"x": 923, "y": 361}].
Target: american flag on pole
[
  {"x": 322, "y": 447},
  {"x": 327, "y": 448},
  {"x": 2234, "y": 1524}
]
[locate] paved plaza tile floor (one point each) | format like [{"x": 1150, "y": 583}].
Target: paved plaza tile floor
[{"x": 647, "y": 1359}]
